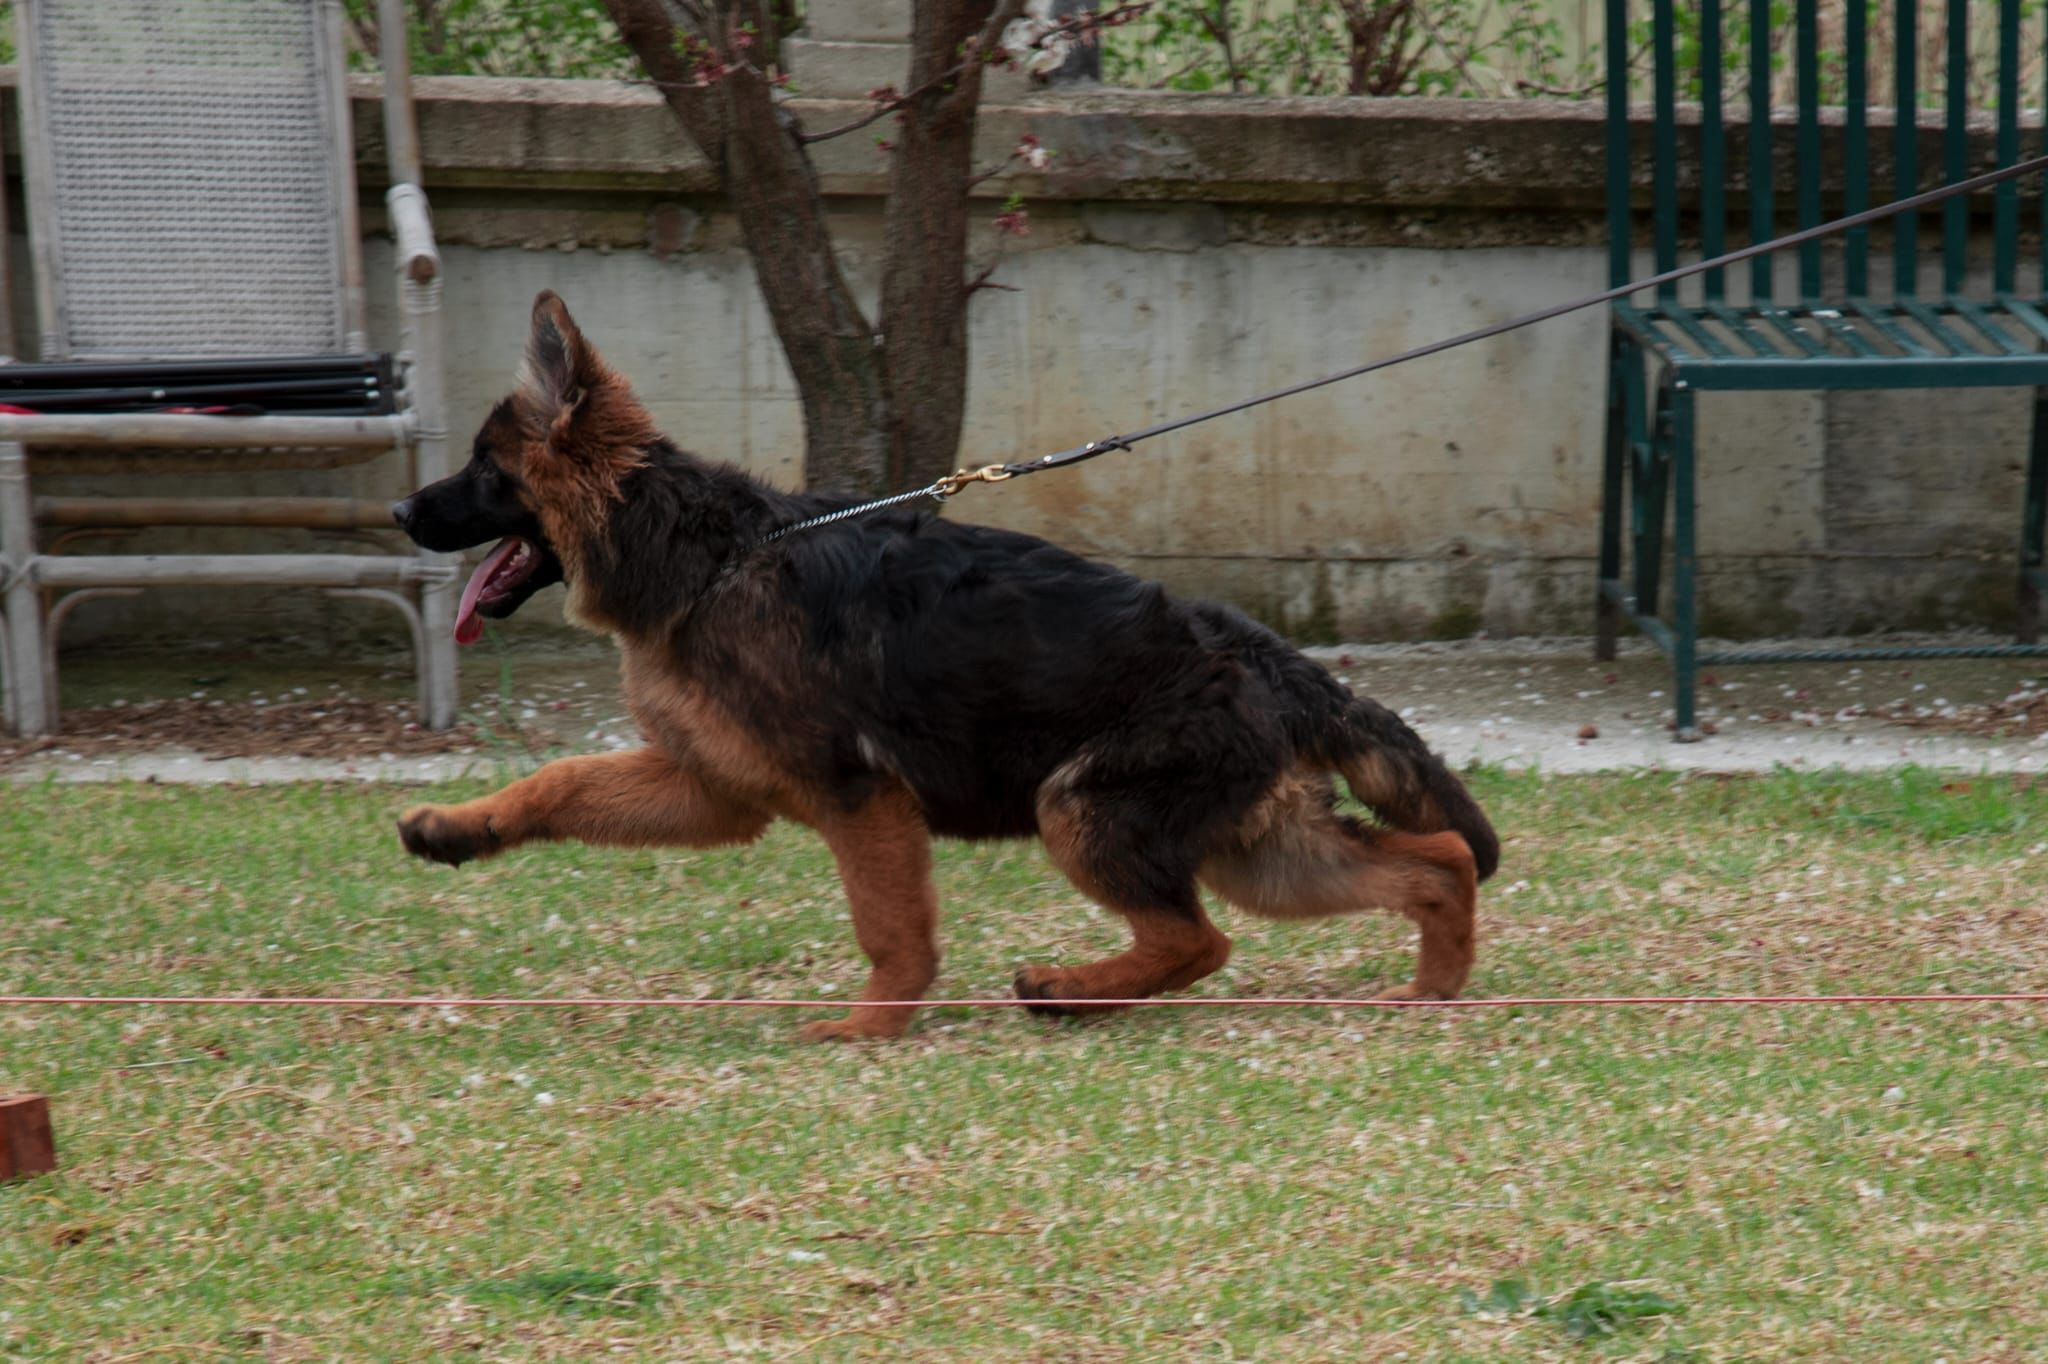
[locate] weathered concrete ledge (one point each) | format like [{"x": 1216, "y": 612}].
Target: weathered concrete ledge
[
  {"x": 1534, "y": 168},
  {"x": 1186, "y": 248},
  {"x": 1105, "y": 145},
  {"x": 1516, "y": 155}
]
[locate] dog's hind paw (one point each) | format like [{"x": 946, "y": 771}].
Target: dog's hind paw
[
  {"x": 1029, "y": 985},
  {"x": 438, "y": 834},
  {"x": 1050, "y": 984}
]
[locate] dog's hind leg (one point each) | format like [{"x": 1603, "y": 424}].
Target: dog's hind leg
[
  {"x": 1302, "y": 861},
  {"x": 1173, "y": 944},
  {"x": 629, "y": 800},
  {"x": 884, "y": 854}
]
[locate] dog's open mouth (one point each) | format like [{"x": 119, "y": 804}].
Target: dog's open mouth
[{"x": 498, "y": 577}]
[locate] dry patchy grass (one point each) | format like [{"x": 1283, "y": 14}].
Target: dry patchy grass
[{"x": 1302, "y": 1185}]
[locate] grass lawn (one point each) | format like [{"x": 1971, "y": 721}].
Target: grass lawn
[{"x": 1672, "y": 1184}]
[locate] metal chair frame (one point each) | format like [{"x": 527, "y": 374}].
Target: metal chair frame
[{"x": 39, "y": 587}]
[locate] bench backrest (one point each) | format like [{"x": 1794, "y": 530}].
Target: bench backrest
[
  {"x": 1869, "y": 76},
  {"x": 190, "y": 175}
]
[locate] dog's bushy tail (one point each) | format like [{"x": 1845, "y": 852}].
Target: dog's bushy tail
[
  {"x": 1393, "y": 773},
  {"x": 1389, "y": 768}
]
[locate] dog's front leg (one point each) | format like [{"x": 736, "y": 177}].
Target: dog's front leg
[
  {"x": 884, "y": 852},
  {"x": 631, "y": 800}
]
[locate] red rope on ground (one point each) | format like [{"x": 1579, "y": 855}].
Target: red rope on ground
[{"x": 1279, "y": 1002}]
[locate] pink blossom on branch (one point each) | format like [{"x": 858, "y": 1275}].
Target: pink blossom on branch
[{"x": 1046, "y": 41}]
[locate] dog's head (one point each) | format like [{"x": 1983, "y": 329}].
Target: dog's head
[{"x": 543, "y": 475}]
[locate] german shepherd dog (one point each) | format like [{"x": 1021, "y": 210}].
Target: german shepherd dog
[{"x": 897, "y": 676}]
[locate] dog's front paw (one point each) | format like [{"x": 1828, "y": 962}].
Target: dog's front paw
[
  {"x": 1411, "y": 994},
  {"x": 440, "y": 833},
  {"x": 831, "y": 1030}
]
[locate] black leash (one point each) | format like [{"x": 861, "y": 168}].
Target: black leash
[{"x": 941, "y": 489}]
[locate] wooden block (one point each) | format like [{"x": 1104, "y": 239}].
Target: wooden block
[{"x": 27, "y": 1145}]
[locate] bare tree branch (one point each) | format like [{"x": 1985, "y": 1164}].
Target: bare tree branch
[
  {"x": 883, "y": 108},
  {"x": 982, "y": 280},
  {"x": 367, "y": 37},
  {"x": 1218, "y": 24}
]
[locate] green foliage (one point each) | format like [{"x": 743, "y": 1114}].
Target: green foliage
[
  {"x": 1508, "y": 48},
  {"x": 1603, "y": 1309},
  {"x": 1933, "y": 806},
  {"x": 1880, "y": 26},
  {"x": 571, "y": 1292},
  {"x": 476, "y": 38},
  {"x": 1507, "y": 1298},
  {"x": 567, "y": 38},
  {"x": 1590, "y": 1311},
  {"x": 1457, "y": 48},
  {"x": 1470, "y": 48}
]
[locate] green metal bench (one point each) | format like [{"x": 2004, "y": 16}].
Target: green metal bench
[{"x": 1866, "y": 334}]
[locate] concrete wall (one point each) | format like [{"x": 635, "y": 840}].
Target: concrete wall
[{"x": 1186, "y": 250}]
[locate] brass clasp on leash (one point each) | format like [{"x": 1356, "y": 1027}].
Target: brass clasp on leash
[{"x": 955, "y": 481}]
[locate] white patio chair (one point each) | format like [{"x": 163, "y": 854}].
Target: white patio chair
[{"x": 190, "y": 174}]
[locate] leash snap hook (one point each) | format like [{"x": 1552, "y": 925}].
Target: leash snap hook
[{"x": 960, "y": 478}]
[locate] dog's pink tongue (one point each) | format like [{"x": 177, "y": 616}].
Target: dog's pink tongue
[{"x": 469, "y": 627}]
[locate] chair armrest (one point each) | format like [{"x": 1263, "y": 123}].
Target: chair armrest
[
  {"x": 194, "y": 431},
  {"x": 419, "y": 260}
]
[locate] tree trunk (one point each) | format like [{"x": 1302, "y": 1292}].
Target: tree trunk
[
  {"x": 1380, "y": 58},
  {"x": 924, "y": 242},
  {"x": 879, "y": 413},
  {"x": 829, "y": 342}
]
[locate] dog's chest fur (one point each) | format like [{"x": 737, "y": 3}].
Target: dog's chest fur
[{"x": 684, "y": 719}]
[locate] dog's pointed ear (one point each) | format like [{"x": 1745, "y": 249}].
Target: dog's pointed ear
[{"x": 560, "y": 365}]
